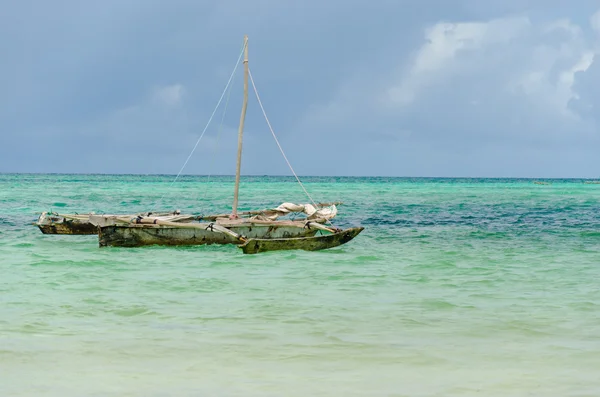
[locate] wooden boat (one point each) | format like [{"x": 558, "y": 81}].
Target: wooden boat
[
  {"x": 87, "y": 224},
  {"x": 253, "y": 231},
  {"x": 223, "y": 231},
  {"x": 314, "y": 243},
  {"x": 215, "y": 229},
  {"x": 73, "y": 224}
]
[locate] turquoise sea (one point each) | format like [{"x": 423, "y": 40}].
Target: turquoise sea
[{"x": 457, "y": 287}]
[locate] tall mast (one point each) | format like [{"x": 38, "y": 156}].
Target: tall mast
[{"x": 241, "y": 131}]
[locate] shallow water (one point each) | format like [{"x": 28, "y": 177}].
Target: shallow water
[{"x": 457, "y": 287}]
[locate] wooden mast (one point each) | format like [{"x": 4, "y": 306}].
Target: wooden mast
[{"x": 241, "y": 131}]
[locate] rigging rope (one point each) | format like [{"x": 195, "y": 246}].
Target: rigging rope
[
  {"x": 206, "y": 127},
  {"x": 212, "y": 162},
  {"x": 277, "y": 141}
]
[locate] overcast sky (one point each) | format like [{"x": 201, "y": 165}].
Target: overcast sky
[{"x": 381, "y": 87}]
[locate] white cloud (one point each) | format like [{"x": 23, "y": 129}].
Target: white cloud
[
  {"x": 595, "y": 21},
  {"x": 513, "y": 59},
  {"x": 567, "y": 77},
  {"x": 444, "y": 41},
  {"x": 564, "y": 25},
  {"x": 497, "y": 83},
  {"x": 170, "y": 95}
]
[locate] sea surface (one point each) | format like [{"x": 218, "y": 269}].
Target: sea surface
[{"x": 457, "y": 287}]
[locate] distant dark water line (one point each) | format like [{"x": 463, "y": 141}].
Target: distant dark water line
[{"x": 74, "y": 177}]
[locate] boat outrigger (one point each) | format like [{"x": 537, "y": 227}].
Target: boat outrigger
[
  {"x": 252, "y": 231},
  {"x": 87, "y": 224}
]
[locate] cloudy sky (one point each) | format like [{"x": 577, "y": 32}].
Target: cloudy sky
[{"x": 381, "y": 87}]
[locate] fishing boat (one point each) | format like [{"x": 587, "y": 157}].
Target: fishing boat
[
  {"x": 252, "y": 231},
  {"x": 87, "y": 224}
]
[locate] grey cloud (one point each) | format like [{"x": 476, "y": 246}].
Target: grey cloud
[
  {"x": 481, "y": 104},
  {"x": 82, "y": 79}
]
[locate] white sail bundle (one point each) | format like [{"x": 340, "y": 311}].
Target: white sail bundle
[{"x": 326, "y": 212}]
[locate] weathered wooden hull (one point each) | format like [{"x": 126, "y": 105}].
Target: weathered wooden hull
[
  {"x": 109, "y": 220},
  {"x": 74, "y": 224},
  {"x": 315, "y": 243},
  {"x": 136, "y": 235},
  {"x": 66, "y": 227}
]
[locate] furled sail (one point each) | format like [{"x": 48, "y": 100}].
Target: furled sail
[{"x": 326, "y": 212}]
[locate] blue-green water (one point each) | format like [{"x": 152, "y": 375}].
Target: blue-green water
[{"x": 456, "y": 288}]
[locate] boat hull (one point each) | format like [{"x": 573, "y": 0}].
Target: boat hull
[
  {"x": 199, "y": 234},
  {"x": 71, "y": 228},
  {"x": 74, "y": 224},
  {"x": 315, "y": 243}
]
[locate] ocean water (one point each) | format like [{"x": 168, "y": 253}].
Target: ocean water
[{"x": 457, "y": 287}]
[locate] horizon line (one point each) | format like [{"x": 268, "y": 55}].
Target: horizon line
[{"x": 291, "y": 176}]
